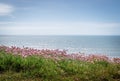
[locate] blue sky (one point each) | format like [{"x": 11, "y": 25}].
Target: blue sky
[{"x": 59, "y": 17}]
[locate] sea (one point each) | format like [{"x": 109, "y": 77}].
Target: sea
[{"x": 104, "y": 45}]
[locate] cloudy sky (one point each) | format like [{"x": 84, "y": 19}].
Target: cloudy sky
[{"x": 59, "y": 17}]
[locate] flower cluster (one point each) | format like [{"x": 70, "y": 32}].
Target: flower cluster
[
  {"x": 25, "y": 51},
  {"x": 56, "y": 54}
]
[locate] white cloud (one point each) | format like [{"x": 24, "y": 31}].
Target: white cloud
[
  {"x": 64, "y": 28},
  {"x": 6, "y": 9},
  {"x": 6, "y": 23}
]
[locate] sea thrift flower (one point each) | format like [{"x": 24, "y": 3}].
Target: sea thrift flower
[
  {"x": 56, "y": 54},
  {"x": 116, "y": 60}
]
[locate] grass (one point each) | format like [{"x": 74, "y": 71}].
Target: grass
[{"x": 38, "y": 68}]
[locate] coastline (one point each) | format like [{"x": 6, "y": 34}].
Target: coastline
[
  {"x": 57, "y": 54},
  {"x": 107, "y": 45},
  {"x": 25, "y": 64}
]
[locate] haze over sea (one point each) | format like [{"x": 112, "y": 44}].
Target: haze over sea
[{"x": 105, "y": 45}]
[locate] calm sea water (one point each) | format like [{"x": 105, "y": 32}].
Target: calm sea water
[{"x": 108, "y": 45}]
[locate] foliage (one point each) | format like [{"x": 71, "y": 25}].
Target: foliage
[{"x": 38, "y": 68}]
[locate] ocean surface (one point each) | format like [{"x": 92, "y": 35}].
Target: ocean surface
[{"x": 107, "y": 45}]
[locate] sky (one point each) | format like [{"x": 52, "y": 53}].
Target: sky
[{"x": 59, "y": 17}]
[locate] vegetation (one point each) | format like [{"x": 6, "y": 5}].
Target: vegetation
[{"x": 14, "y": 67}]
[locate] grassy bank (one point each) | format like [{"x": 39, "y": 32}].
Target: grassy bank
[{"x": 14, "y": 67}]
